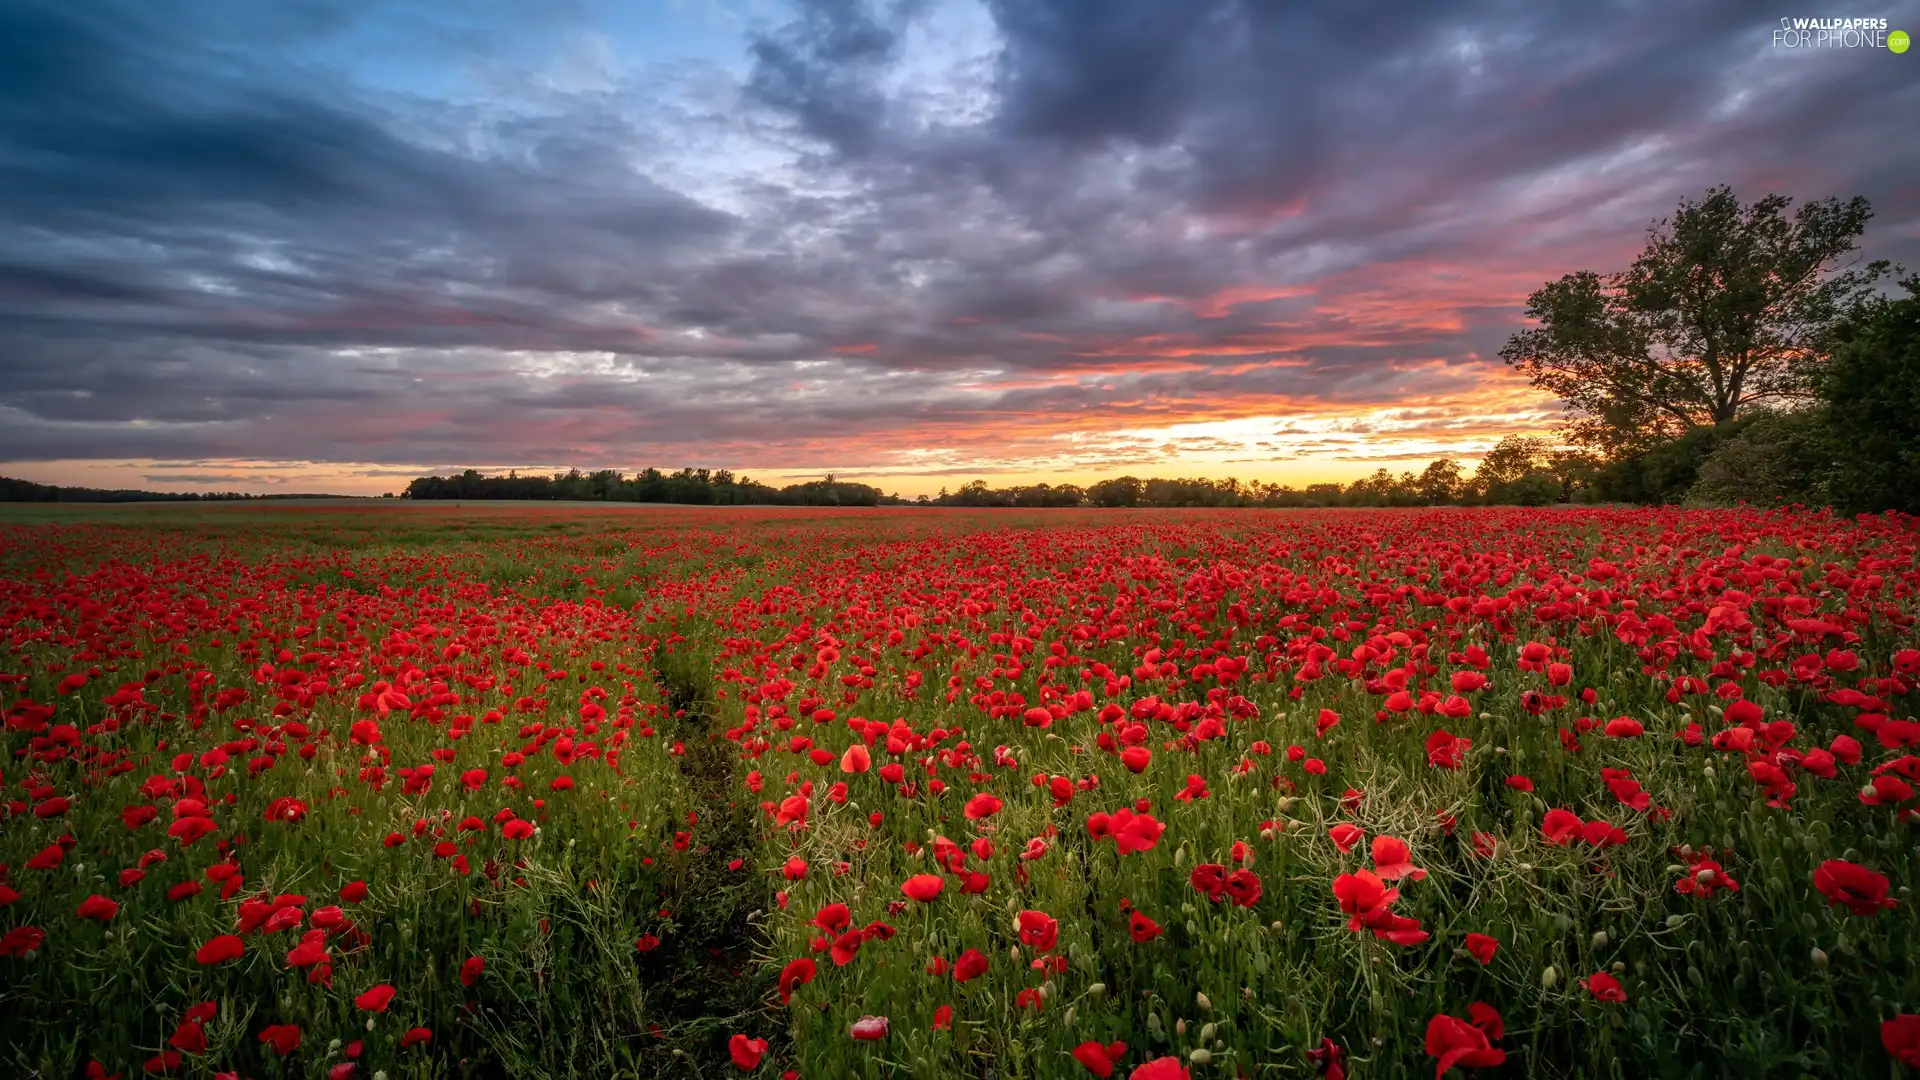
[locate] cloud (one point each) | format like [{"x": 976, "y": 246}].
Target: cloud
[{"x": 935, "y": 235}]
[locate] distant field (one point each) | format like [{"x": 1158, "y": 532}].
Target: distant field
[{"x": 583, "y": 789}]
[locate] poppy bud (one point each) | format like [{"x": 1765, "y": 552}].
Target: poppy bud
[
  {"x": 1206, "y": 1032},
  {"x": 1599, "y": 939},
  {"x": 1819, "y": 958},
  {"x": 1201, "y": 1056},
  {"x": 1097, "y": 990},
  {"x": 1205, "y": 1006},
  {"x": 1549, "y": 977},
  {"x": 1180, "y": 1027}
]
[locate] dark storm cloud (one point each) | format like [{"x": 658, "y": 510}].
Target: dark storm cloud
[{"x": 222, "y": 241}]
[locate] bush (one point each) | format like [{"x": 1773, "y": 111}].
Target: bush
[
  {"x": 1534, "y": 488},
  {"x": 1664, "y": 473},
  {"x": 1871, "y": 391},
  {"x": 1775, "y": 459}
]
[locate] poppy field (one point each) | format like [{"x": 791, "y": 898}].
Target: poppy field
[{"x": 411, "y": 791}]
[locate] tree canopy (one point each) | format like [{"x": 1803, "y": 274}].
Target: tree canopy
[{"x": 1729, "y": 306}]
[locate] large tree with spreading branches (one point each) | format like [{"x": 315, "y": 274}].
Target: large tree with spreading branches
[{"x": 1729, "y": 306}]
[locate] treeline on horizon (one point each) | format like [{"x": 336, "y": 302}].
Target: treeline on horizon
[
  {"x": 26, "y": 491},
  {"x": 694, "y": 487},
  {"x": 1519, "y": 471}
]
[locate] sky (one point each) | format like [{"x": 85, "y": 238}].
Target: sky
[{"x": 307, "y": 246}]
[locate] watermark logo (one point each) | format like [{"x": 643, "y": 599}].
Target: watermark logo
[{"x": 1839, "y": 34}]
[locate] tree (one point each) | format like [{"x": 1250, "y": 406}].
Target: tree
[
  {"x": 1510, "y": 459},
  {"x": 1871, "y": 394},
  {"x": 1728, "y": 306},
  {"x": 1119, "y": 491},
  {"x": 1440, "y": 482},
  {"x": 1577, "y": 470}
]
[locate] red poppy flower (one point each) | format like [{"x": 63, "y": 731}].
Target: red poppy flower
[
  {"x": 1398, "y": 929},
  {"x": 1560, "y": 827},
  {"x": 1602, "y": 833},
  {"x": 1133, "y": 831},
  {"x": 1482, "y": 947},
  {"x": 1361, "y": 892},
  {"x": 1209, "y": 878},
  {"x": 1166, "y": 1068},
  {"x": 943, "y": 1018},
  {"x": 1392, "y": 860},
  {"x": 1901, "y": 1037},
  {"x": 375, "y": 999},
  {"x": 1328, "y": 1055},
  {"x": 1858, "y": 889},
  {"x": 471, "y": 969},
  {"x": 21, "y": 940},
  {"x": 98, "y": 908},
  {"x": 923, "y": 887},
  {"x": 1604, "y": 987},
  {"x": 1457, "y": 1042},
  {"x": 846, "y": 947},
  {"x": 1038, "y": 930},
  {"x": 1446, "y": 750},
  {"x": 745, "y": 1052},
  {"x": 311, "y": 951},
  {"x": 833, "y": 918},
  {"x": 189, "y": 1038},
  {"x": 970, "y": 965},
  {"x": 1243, "y": 888},
  {"x": 796, "y": 974},
  {"x": 1625, "y": 727},
  {"x": 220, "y": 950},
  {"x": 284, "y": 1038},
  {"x": 1345, "y": 835},
  {"x": 869, "y": 1028},
  {"x": 982, "y": 805},
  {"x": 1141, "y": 928},
  {"x": 1100, "y": 1060},
  {"x": 415, "y": 1036}
]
